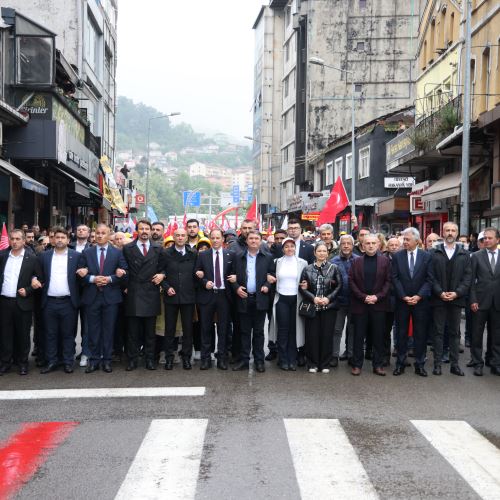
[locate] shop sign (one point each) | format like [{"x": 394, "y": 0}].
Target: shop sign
[
  {"x": 38, "y": 106},
  {"x": 311, "y": 216},
  {"x": 416, "y": 204},
  {"x": 398, "y": 182},
  {"x": 80, "y": 162},
  {"x": 140, "y": 199},
  {"x": 400, "y": 146},
  {"x": 307, "y": 201}
]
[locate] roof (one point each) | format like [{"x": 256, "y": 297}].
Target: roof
[{"x": 257, "y": 21}]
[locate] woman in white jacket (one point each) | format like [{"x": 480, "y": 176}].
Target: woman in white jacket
[{"x": 287, "y": 327}]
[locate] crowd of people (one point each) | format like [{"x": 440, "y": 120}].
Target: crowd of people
[{"x": 159, "y": 301}]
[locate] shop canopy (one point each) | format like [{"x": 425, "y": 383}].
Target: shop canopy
[{"x": 27, "y": 182}]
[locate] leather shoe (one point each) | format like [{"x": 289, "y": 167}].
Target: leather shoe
[
  {"x": 437, "y": 370},
  {"x": 23, "y": 370},
  {"x": 51, "y": 367},
  {"x": 68, "y": 368},
  {"x": 283, "y": 366},
  {"x": 106, "y": 367},
  {"x": 240, "y": 366},
  {"x": 399, "y": 370},
  {"x": 132, "y": 365},
  {"x": 456, "y": 370},
  {"x": 92, "y": 367},
  {"x": 169, "y": 363},
  {"x": 495, "y": 370},
  {"x": 379, "y": 371},
  {"x": 334, "y": 362},
  {"x": 470, "y": 364},
  {"x": 259, "y": 367},
  {"x": 356, "y": 371},
  {"x": 271, "y": 356},
  {"x": 206, "y": 364},
  {"x": 292, "y": 368},
  {"x": 222, "y": 364},
  {"x": 4, "y": 369},
  {"x": 301, "y": 359},
  {"x": 150, "y": 364},
  {"x": 186, "y": 364},
  {"x": 478, "y": 371},
  {"x": 420, "y": 370}
]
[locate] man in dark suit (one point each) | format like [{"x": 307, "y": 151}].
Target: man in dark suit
[
  {"x": 485, "y": 301},
  {"x": 146, "y": 271},
  {"x": 17, "y": 268},
  {"x": 101, "y": 296},
  {"x": 60, "y": 301},
  {"x": 303, "y": 250},
  {"x": 248, "y": 278},
  {"x": 370, "y": 284},
  {"x": 214, "y": 296},
  {"x": 180, "y": 297},
  {"x": 412, "y": 281}
]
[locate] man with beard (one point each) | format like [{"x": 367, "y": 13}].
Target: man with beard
[
  {"x": 157, "y": 231},
  {"x": 192, "y": 228},
  {"x": 82, "y": 238}
]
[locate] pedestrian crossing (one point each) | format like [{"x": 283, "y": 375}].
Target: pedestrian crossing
[{"x": 327, "y": 459}]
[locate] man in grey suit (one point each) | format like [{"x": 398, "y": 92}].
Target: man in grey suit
[{"x": 485, "y": 301}]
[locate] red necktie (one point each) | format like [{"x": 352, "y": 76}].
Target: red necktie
[
  {"x": 144, "y": 250},
  {"x": 101, "y": 262},
  {"x": 218, "y": 282}
]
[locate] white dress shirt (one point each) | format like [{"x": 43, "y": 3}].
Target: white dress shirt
[
  {"x": 408, "y": 253},
  {"x": 140, "y": 243},
  {"x": 450, "y": 251},
  {"x": 11, "y": 274},
  {"x": 495, "y": 252},
  {"x": 80, "y": 248},
  {"x": 181, "y": 250},
  {"x": 59, "y": 286},
  {"x": 221, "y": 267},
  {"x": 297, "y": 247}
]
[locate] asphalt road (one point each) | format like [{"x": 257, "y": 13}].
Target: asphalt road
[{"x": 246, "y": 451}]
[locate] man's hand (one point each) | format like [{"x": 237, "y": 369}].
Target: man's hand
[
  {"x": 241, "y": 292},
  {"x": 102, "y": 280},
  {"x": 199, "y": 274},
  {"x": 231, "y": 278},
  {"x": 474, "y": 307},
  {"x": 209, "y": 285},
  {"x": 303, "y": 285},
  {"x": 452, "y": 296},
  {"x": 82, "y": 272},
  {"x": 158, "y": 278},
  {"x": 271, "y": 279},
  {"x": 35, "y": 284},
  {"x": 407, "y": 299},
  {"x": 120, "y": 272},
  {"x": 22, "y": 292},
  {"x": 371, "y": 299},
  {"x": 264, "y": 289},
  {"x": 170, "y": 292}
]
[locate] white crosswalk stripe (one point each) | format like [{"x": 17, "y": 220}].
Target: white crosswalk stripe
[
  {"x": 469, "y": 453},
  {"x": 168, "y": 461},
  {"x": 325, "y": 462}
]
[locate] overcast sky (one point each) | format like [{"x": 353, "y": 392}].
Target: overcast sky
[{"x": 192, "y": 56}]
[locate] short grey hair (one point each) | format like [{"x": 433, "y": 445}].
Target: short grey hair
[
  {"x": 413, "y": 231},
  {"x": 325, "y": 227},
  {"x": 346, "y": 236}
]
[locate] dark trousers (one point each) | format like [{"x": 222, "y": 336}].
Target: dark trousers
[
  {"x": 252, "y": 332},
  {"x": 319, "y": 338},
  {"x": 171, "y": 313},
  {"x": 286, "y": 321},
  {"x": 371, "y": 322},
  {"x": 101, "y": 320},
  {"x": 15, "y": 332},
  {"x": 447, "y": 316},
  {"x": 141, "y": 329},
  {"x": 235, "y": 334},
  {"x": 120, "y": 336},
  {"x": 480, "y": 319},
  {"x": 220, "y": 305},
  {"x": 38, "y": 324},
  {"x": 61, "y": 319},
  {"x": 271, "y": 345},
  {"x": 418, "y": 314},
  {"x": 389, "y": 323}
]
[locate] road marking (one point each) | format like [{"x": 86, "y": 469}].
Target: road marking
[
  {"x": 325, "y": 462},
  {"x": 469, "y": 453},
  {"x": 119, "y": 392},
  {"x": 26, "y": 450},
  {"x": 168, "y": 461}
]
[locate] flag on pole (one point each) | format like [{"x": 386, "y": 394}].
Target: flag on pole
[
  {"x": 284, "y": 224},
  {"x": 253, "y": 212},
  {"x": 4, "y": 239},
  {"x": 175, "y": 224},
  {"x": 184, "y": 221},
  {"x": 335, "y": 204},
  {"x": 269, "y": 228}
]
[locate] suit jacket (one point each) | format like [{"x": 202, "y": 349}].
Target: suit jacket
[
  {"x": 204, "y": 263},
  {"x": 112, "y": 293},
  {"x": 381, "y": 287},
  {"x": 45, "y": 259},
  {"x": 421, "y": 282},
  {"x": 30, "y": 267},
  {"x": 306, "y": 252},
  {"x": 485, "y": 289},
  {"x": 264, "y": 266},
  {"x": 179, "y": 274},
  {"x": 143, "y": 296}
]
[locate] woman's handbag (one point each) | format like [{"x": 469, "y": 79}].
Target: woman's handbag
[{"x": 307, "y": 309}]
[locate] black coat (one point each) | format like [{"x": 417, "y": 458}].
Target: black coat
[
  {"x": 204, "y": 263},
  {"x": 333, "y": 282},
  {"x": 485, "y": 289},
  {"x": 306, "y": 252},
  {"x": 143, "y": 296},
  {"x": 179, "y": 275},
  {"x": 421, "y": 282},
  {"x": 459, "y": 280}
]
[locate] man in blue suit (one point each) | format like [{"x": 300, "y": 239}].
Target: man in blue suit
[
  {"x": 101, "y": 296},
  {"x": 60, "y": 301},
  {"x": 412, "y": 280}
]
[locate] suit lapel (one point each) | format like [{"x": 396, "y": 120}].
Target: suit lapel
[{"x": 418, "y": 261}]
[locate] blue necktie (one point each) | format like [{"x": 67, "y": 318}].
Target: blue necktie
[{"x": 412, "y": 264}]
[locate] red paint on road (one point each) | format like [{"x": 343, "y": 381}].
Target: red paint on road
[{"x": 25, "y": 451}]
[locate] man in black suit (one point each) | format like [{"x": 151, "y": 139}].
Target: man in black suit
[
  {"x": 303, "y": 250},
  {"x": 17, "y": 268},
  {"x": 485, "y": 301},
  {"x": 180, "y": 297},
  {"x": 248, "y": 278},
  {"x": 412, "y": 280},
  {"x": 60, "y": 301},
  {"x": 101, "y": 296},
  {"x": 146, "y": 271},
  {"x": 214, "y": 296}
]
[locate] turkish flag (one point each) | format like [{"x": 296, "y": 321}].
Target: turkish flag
[
  {"x": 252, "y": 213},
  {"x": 336, "y": 203},
  {"x": 184, "y": 221},
  {"x": 175, "y": 224}
]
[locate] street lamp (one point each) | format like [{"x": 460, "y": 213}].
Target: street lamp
[
  {"x": 320, "y": 62},
  {"x": 146, "y": 201},
  {"x": 269, "y": 174}
]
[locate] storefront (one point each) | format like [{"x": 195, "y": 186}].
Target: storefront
[{"x": 393, "y": 214}]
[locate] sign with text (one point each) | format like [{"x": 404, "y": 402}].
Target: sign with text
[
  {"x": 398, "y": 182},
  {"x": 191, "y": 198},
  {"x": 400, "y": 146},
  {"x": 236, "y": 194}
]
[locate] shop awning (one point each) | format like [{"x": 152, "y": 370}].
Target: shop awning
[
  {"x": 79, "y": 187},
  {"x": 368, "y": 202},
  {"x": 448, "y": 186},
  {"x": 27, "y": 182}
]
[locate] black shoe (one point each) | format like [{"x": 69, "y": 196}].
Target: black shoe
[
  {"x": 399, "y": 370},
  {"x": 259, "y": 367},
  {"x": 292, "y": 368},
  {"x": 68, "y": 368},
  {"x": 169, "y": 363},
  {"x": 343, "y": 357},
  {"x": 106, "y": 367},
  {"x": 150, "y": 364},
  {"x": 271, "y": 356},
  {"x": 92, "y": 367},
  {"x": 51, "y": 367},
  {"x": 334, "y": 363},
  {"x": 132, "y": 365},
  {"x": 23, "y": 370},
  {"x": 437, "y": 370},
  {"x": 301, "y": 359},
  {"x": 470, "y": 364},
  {"x": 4, "y": 369},
  {"x": 240, "y": 366},
  {"x": 186, "y": 364},
  {"x": 478, "y": 371},
  {"x": 456, "y": 370},
  {"x": 495, "y": 370},
  {"x": 283, "y": 366},
  {"x": 206, "y": 364},
  {"x": 222, "y": 364},
  {"x": 420, "y": 370}
]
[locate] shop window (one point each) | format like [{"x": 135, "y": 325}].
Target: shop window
[{"x": 35, "y": 60}]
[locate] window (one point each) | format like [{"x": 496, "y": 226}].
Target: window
[
  {"x": 285, "y": 121},
  {"x": 337, "y": 171},
  {"x": 329, "y": 173},
  {"x": 92, "y": 44},
  {"x": 285, "y": 155},
  {"x": 451, "y": 28},
  {"x": 288, "y": 15},
  {"x": 35, "y": 59},
  {"x": 360, "y": 46},
  {"x": 286, "y": 85},
  {"x": 358, "y": 87},
  {"x": 287, "y": 51},
  {"x": 364, "y": 162},
  {"x": 348, "y": 166},
  {"x": 362, "y": 4}
]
